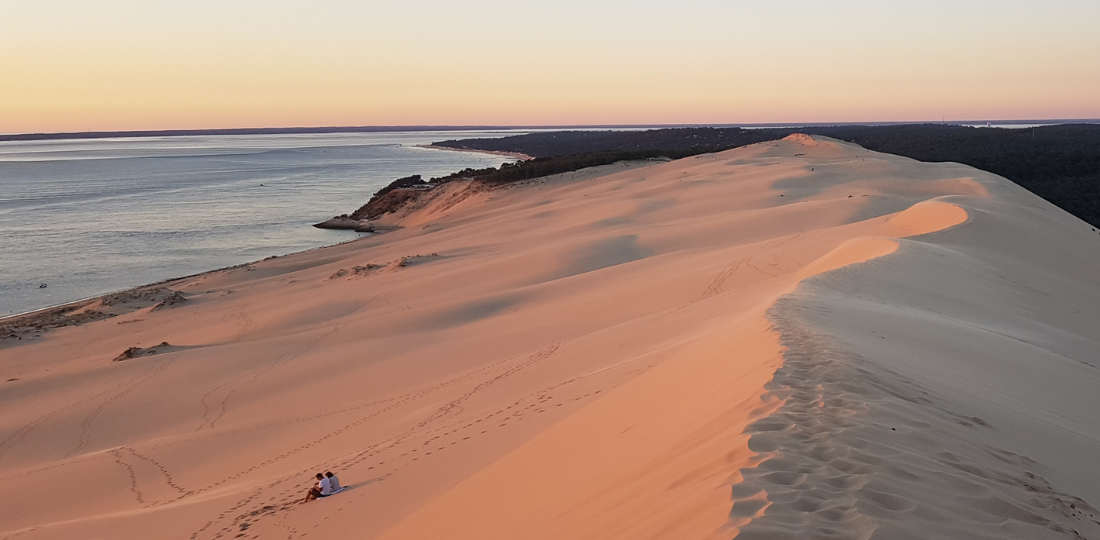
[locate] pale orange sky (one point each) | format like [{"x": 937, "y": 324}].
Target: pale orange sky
[{"x": 154, "y": 64}]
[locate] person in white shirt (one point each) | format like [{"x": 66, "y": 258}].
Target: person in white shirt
[
  {"x": 315, "y": 490},
  {"x": 334, "y": 482}
]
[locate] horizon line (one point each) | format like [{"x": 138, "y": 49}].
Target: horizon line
[{"x": 103, "y": 134}]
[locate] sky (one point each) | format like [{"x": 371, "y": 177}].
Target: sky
[{"x": 69, "y": 65}]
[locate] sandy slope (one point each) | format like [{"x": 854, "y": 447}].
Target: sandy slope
[{"x": 794, "y": 339}]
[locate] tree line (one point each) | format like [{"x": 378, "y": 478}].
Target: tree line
[{"x": 1059, "y": 163}]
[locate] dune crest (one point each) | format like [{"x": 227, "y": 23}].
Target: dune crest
[
  {"x": 852, "y": 251},
  {"x": 640, "y": 350},
  {"x": 926, "y": 217},
  {"x": 802, "y": 138}
]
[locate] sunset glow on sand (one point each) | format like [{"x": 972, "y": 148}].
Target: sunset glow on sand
[{"x": 550, "y": 270}]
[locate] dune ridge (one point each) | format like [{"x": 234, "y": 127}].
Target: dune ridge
[
  {"x": 630, "y": 351},
  {"x": 633, "y": 504},
  {"x": 950, "y": 424}
]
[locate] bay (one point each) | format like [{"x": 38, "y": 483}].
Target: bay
[{"x": 89, "y": 217}]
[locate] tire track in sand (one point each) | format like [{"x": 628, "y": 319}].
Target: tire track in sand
[
  {"x": 87, "y": 423},
  {"x": 17, "y": 436},
  {"x": 212, "y": 414}
]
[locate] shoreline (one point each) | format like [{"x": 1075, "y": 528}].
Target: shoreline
[
  {"x": 84, "y": 302},
  {"x": 76, "y": 304},
  {"x": 517, "y": 155}
]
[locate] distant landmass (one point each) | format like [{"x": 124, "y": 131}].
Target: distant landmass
[
  {"x": 382, "y": 129},
  {"x": 233, "y": 131}
]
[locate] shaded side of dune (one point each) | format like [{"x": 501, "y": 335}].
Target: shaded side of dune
[
  {"x": 945, "y": 391},
  {"x": 858, "y": 451}
]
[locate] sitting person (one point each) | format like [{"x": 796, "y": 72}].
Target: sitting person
[
  {"x": 318, "y": 489},
  {"x": 334, "y": 482}
]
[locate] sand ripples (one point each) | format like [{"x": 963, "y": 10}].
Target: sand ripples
[{"x": 859, "y": 452}]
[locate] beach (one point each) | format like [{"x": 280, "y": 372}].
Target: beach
[{"x": 793, "y": 339}]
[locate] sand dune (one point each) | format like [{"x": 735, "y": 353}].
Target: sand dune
[{"x": 795, "y": 339}]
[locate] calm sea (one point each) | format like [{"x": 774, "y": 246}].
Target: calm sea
[{"x": 88, "y": 217}]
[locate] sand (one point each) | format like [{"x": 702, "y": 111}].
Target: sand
[{"x": 795, "y": 339}]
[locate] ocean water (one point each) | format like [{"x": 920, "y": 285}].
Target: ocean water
[{"x": 88, "y": 217}]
